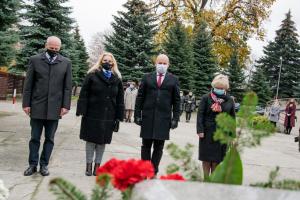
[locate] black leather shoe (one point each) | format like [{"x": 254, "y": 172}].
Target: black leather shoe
[
  {"x": 30, "y": 170},
  {"x": 44, "y": 171}
]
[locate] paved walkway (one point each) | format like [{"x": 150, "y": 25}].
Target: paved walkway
[{"x": 68, "y": 158}]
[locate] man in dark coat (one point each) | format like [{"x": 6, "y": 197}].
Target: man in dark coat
[
  {"x": 158, "y": 97},
  {"x": 46, "y": 98}
]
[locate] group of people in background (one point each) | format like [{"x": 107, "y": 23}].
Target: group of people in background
[
  {"x": 156, "y": 105},
  {"x": 187, "y": 104},
  {"x": 289, "y": 114}
]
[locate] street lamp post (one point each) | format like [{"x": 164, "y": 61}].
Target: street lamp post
[{"x": 280, "y": 66}]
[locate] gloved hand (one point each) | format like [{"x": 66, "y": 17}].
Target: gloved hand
[
  {"x": 174, "y": 124},
  {"x": 138, "y": 121}
]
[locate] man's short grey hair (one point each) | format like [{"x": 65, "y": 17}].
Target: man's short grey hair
[{"x": 53, "y": 38}]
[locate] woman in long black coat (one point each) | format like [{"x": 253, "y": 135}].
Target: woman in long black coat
[
  {"x": 101, "y": 103},
  {"x": 212, "y": 152}
]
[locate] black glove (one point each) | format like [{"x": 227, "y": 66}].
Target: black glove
[
  {"x": 116, "y": 125},
  {"x": 138, "y": 121},
  {"x": 174, "y": 124}
]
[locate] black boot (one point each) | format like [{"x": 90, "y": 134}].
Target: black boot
[
  {"x": 97, "y": 165},
  {"x": 88, "y": 171}
]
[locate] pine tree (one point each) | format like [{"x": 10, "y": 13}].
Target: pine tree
[
  {"x": 259, "y": 84},
  {"x": 285, "y": 45},
  {"x": 236, "y": 77},
  {"x": 205, "y": 65},
  {"x": 179, "y": 50},
  {"x": 44, "y": 19},
  {"x": 132, "y": 40},
  {"x": 8, "y": 34},
  {"x": 79, "y": 59}
]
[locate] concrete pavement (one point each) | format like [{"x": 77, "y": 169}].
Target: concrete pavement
[{"x": 68, "y": 158}]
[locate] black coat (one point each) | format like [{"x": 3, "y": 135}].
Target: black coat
[
  {"x": 190, "y": 103},
  {"x": 210, "y": 150},
  {"x": 101, "y": 102},
  {"x": 48, "y": 86},
  {"x": 155, "y": 105}
]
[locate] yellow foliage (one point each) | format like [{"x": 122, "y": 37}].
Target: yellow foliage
[{"x": 232, "y": 22}]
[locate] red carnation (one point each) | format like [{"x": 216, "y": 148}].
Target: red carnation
[
  {"x": 109, "y": 166},
  {"x": 131, "y": 172},
  {"x": 125, "y": 174},
  {"x": 176, "y": 177}
]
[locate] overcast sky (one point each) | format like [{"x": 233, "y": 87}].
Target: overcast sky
[{"x": 96, "y": 16}]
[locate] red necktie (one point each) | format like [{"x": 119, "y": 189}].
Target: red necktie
[{"x": 159, "y": 79}]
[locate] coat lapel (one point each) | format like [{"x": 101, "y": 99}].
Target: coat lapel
[
  {"x": 166, "y": 79},
  {"x": 57, "y": 60}
]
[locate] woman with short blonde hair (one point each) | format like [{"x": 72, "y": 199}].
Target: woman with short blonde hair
[
  {"x": 212, "y": 152},
  {"x": 101, "y": 104}
]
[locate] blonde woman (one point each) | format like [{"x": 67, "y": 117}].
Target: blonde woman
[
  {"x": 101, "y": 104},
  {"x": 212, "y": 152}
]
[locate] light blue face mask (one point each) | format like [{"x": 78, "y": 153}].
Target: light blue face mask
[{"x": 219, "y": 91}]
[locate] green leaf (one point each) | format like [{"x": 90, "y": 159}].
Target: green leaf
[
  {"x": 65, "y": 190},
  {"x": 230, "y": 171}
]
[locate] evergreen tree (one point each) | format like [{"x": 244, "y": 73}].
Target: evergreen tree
[
  {"x": 8, "y": 34},
  {"x": 259, "y": 84},
  {"x": 44, "y": 19},
  {"x": 205, "y": 65},
  {"x": 132, "y": 40},
  {"x": 285, "y": 45},
  {"x": 236, "y": 77},
  {"x": 79, "y": 59},
  {"x": 179, "y": 50}
]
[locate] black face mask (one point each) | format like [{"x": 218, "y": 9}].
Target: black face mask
[
  {"x": 106, "y": 66},
  {"x": 52, "y": 53}
]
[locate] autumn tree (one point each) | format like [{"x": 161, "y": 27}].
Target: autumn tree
[{"x": 232, "y": 21}]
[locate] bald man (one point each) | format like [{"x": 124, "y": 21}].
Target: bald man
[
  {"x": 157, "y": 110},
  {"x": 46, "y": 98}
]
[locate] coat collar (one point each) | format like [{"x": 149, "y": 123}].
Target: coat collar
[
  {"x": 45, "y": 59},
  {"x": 100, "y": 75}
]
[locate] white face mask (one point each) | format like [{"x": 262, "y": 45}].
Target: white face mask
[{"x": 161, "y": 68}]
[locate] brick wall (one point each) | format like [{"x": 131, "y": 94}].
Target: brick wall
[{"x": 7, "y": 84}]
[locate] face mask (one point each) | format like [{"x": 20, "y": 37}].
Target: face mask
[
  {"x": 52, "y": 53},
  {"x": 106, "y": 66},
  {"x": 161, "y": 68},
  {"x": 131, "y": 86},
  {"x": 219, "y": 91}
]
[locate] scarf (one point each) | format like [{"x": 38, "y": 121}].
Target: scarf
[
  {"x": 216, "y": 107},
  {"x": 107, "y": 73}
]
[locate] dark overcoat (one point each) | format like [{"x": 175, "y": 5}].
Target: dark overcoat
[
  {"x": 101, "y": 103},
  {"x": 209, "y": 149},
  {"x": 290, "y": 119},
  {"x": 190, "y": 103},
  {"x": 48, "y": 86},
  {"x": 157, "y": 106}
]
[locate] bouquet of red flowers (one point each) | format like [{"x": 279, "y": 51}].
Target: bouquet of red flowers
[{"x": 124, "y": 174}]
